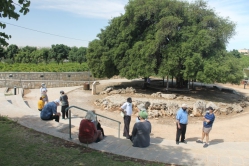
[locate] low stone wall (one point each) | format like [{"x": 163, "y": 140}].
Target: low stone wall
[
  {"x": 62, "y": 76},
  {"x": 34, "y": 84}
]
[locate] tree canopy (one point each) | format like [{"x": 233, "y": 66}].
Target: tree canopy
[
  {"x": 165, "y": 38},
  {"x": 8, "y": 10}
]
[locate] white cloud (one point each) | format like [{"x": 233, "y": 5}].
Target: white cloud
[{"x": 106, "y": 9}]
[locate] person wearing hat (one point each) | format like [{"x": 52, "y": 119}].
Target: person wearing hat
[
  {"x": 49, "y": 111},
  {"x": 43, "y": 91},
  {"x": 181, "y": 123},
  {"x": 141, "y": 131},
  {"x": 87, "y": 130},
  {"x": 142, "y": 107},
  {"x": 64, "y": 104},
  {"x": 126, "y": 109},
  {"x": 43, "y": 87},
  {"x": 208, "y": 121}
]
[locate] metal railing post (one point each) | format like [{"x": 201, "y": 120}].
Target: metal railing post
[
  {"x": 68, "y": 109},
  {"x": 119, "y": 130},
  {"x": 70, "y": 137}
]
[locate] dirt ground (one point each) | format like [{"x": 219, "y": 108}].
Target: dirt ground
[{"x": 230, "y": 128}]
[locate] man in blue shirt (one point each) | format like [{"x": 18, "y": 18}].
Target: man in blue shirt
[
  {"x": 49, "y": 111},
  {"x": 208, "y": 121},
  {"x": 181, "y": 123}
]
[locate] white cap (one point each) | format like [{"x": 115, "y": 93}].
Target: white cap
[
  {"x": 184, "y": 105},
  {"x": 57, "y": 101}
]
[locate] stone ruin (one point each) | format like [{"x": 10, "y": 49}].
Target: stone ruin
[
  {"x": 169, "y": 107},
  {"x": 111, "y": 91}
]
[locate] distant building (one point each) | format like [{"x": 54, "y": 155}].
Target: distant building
[{"x": 244, "y": 51}]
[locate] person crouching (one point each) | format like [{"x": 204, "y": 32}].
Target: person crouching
[{"x": 49, "y": 111}]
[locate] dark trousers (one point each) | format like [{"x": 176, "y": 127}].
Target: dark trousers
[
  {"x": 181, "y": 132},
  {"x": 63, "y": 111},
  {"x": 127, "y": 120},
  {"x": 55, "y": 117},
  {"x": 100, "y": 128}
]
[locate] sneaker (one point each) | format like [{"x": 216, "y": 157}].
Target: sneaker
[
  {"x": 177, "y": 142},
  {"x": 199, "y": 141},
  {"x": 205, "y": 145},
  {"x": 185, "y": 142}
]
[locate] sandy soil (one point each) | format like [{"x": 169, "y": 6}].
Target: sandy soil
[{"x": 229, "y": 128}]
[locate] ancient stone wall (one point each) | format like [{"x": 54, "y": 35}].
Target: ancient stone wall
[{"x": 61, "y": 76}]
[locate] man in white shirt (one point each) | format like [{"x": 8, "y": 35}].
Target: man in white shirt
[{"x": 126, "y": 108}]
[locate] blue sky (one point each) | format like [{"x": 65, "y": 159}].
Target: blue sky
[{"x": 83, "y": 20}]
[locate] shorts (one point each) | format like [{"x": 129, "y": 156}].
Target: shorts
[{"x": 206, "y": 130}]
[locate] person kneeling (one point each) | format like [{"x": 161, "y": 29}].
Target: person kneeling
[
  {"x": 141, "y": 131},
  {"x": 49, "y": 111},
  {"x": 87, "y": 130}
]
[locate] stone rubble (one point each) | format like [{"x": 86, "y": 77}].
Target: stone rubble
[{"x": 167, "y": 105}]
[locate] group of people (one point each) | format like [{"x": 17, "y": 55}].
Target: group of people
[
  {"x": 140, "y": 135},
  {"x": 182, "y": 121},
  {"x": 48, "y": 110},
  {"x": 90, "y": 129}
]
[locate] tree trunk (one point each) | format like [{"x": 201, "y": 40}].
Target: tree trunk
[
  {"x": 167, "y": 82},
  {"x": 172, "y": 82}
]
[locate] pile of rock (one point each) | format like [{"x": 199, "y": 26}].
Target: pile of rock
[
  {"x": 199, "y": 108},
  {"x": 111, "y": 91},
  {"x": 170, "y": 108}
]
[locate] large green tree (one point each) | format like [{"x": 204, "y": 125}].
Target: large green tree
[
  {"x": 26, "y": 55},
  {"x": 59, "y": 52},
  {"x": 2, "y": 53},
  {"x": 11, "y": 52},
  {"x": 81, "y": 55},
  {"x": 8, "y": 10},
  {"x": 165, "y": 38}
]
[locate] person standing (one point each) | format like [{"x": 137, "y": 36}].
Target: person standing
[
  {"x": 208, "y": 121},
  {"x": 181, "y": 123},
  {"x": 126, "y": 108},
  {"x": 49, "y": 111},
  {"x": 43, "y": 91},
  {"x": 43, "y": 88},
  {"x": 40, "y": 104},
  {"x": 64, "y": 104}
]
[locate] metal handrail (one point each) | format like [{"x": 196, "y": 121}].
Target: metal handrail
[{"x": 69, "y": 117}]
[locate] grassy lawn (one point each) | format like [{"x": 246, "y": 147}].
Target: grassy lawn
[{"x": 20, "y": 146}]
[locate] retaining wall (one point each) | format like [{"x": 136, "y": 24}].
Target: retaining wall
[{"x": 32, "y": 80}]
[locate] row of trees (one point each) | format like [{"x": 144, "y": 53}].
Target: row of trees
[
  {"x": 57, "y": 53},
  {"x": 166, "y": 38}
]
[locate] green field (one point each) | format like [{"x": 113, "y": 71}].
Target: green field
[{"x": 42, "y": 67}]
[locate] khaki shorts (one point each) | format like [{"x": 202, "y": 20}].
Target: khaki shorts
[{"x": 206, "y": 130}]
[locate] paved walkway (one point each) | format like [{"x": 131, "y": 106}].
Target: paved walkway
[{"x": 161, "y": 150}]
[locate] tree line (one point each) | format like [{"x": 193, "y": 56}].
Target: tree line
[{"x": 57, "y": 53}]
